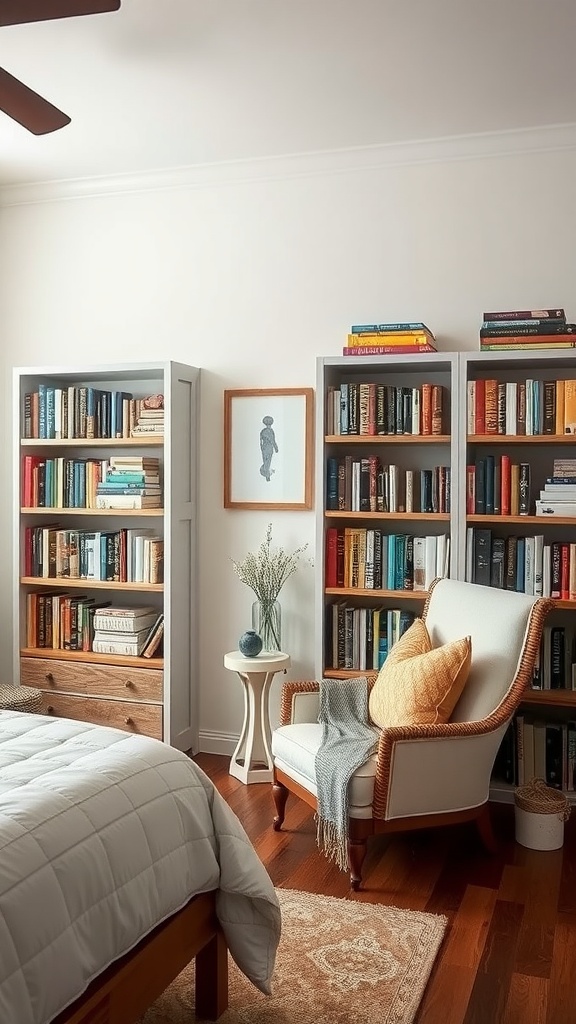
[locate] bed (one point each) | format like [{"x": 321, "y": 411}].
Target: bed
[{"x": 119, "y": 862}]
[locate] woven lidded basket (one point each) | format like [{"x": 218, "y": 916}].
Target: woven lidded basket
[
  {"x": 538, "y": 798},
  {"x": 20, "y": 698}
]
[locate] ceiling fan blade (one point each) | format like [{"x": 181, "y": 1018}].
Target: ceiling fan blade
[
  {"x": 19, "y": 12},
  {"x": 28, "y": 108}
]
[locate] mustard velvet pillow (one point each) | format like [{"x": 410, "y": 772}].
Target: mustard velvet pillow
[{"x": 419, "y": 684}]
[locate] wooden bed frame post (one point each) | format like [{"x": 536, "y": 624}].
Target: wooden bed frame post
[{"x": 126, "y": 989}]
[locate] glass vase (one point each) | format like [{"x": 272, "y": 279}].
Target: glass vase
[{"x": 267, "y": 622}]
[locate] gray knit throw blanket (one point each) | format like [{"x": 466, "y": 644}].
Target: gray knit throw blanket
[{"x": 348, "y": 740}]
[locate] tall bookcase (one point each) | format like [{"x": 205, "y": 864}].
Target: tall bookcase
[
  {"x": 547, "y": 706},
  {"x": 459, "y": 448},
  {"x": 407, "y": 451},
  {"x": 156, "y": 696}
]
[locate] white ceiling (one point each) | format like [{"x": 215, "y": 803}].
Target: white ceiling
[{"x": 171, "y": 83}]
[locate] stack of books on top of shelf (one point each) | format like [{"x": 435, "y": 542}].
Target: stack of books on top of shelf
[
  {"x": 558, "y": 496},
  {"x": 148, "y": 416},
  {"x": 130, "y": 482},
  {"x": 526, "y": 329},
  {"x": 389, "y": 339},
  {"x": 128, "y": 631}
]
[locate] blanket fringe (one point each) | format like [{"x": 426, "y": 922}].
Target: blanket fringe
[{"x": 332, "y": 842}]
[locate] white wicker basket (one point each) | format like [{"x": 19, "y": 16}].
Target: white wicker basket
[{"x": 540, "y": 813}]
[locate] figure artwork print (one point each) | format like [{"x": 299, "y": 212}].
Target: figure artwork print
[{"x": 268, "y": 448}]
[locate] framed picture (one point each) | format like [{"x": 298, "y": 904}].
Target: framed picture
[{"x": 268, "y": 444}]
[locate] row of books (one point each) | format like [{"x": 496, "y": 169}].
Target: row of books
[
  {"x": 524, "y": 564},
  {"x": 122, "y": 556},
  {"x": 525, "y": 329},
  {"x": 368, "y": 485},
  {"x": 53, "y": 413},
  {"x": 78, "y": 483},
  {"x": 367, "y": 408},
  {"x": 498, "y": 487},
  {"x": 530, "y": 407},
  {"x": 373, "y": 560},
  {"x": 389, "y": 339},
  {"x": 128, "y": 631},
  {"x": 69, "y": 622},
  {"x": 555, "y": 667},
  {"x": 360, "y": 638},
  {"x": 535, "y": 748}
]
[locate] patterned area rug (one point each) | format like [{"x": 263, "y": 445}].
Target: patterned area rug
[{"x": 340, "y": 961}]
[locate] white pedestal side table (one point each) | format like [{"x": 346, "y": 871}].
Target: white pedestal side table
[{"x": 252, "y": 759}]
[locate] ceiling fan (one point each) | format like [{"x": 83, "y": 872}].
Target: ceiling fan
[{"x": 16, "y": 99}]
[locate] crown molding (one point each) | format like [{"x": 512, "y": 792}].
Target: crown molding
[{"x": 548, "y": 138}]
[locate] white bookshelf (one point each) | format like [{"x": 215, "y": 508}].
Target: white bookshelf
[
  {"x": 453, "y": 370},
  {"x": 408, "y": 451},
  {"x": 156, "y": 696}
]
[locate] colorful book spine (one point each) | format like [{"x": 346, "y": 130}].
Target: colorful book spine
[
  {"x": 385, "y": 350},
  {"x": 526, "y": 314}
]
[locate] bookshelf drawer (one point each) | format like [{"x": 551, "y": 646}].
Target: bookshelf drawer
[
  {"x": 132, "y": 716},
  {"x": 92, "y": 680}
]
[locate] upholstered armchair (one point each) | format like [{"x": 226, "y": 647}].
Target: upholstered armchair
[{"x": 426, "y": 775}]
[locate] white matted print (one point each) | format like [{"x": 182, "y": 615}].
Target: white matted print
[{"x": 268, "y": 437}]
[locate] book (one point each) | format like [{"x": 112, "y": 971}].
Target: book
[
  {"x": 541, "y": 329},
  {"x": 384, "y": 350},
  {"x": 118, "y": 647},
  {"x": 392, "y": 327},
  {"x": 130, "y": 639},
  {"x": 526, "y": 314},
  {"x": 556, "y": 508},
  {"x": 128, "y": 501},
  {"x": 107, "y": 621},
  {"x": 389, "y": 338},
  {"x": 154, "y": 638},
  {"x": 512, "y": 344}
]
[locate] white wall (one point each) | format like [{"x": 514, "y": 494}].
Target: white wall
[{"x": 251, "y": 280}]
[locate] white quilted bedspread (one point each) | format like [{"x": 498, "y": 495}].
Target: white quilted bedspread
[{"x": 103, "y": 835}]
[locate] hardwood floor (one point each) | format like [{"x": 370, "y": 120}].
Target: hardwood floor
[{"x": 509, "y": 956}]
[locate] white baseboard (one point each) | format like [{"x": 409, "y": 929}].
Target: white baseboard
[{"x": 217, "y": 742}]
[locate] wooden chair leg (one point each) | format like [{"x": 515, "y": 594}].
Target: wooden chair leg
[
  {"x": 356, "y": 854},
  {"x": 486, "y": 831},
  {"x": 280, "y": 794}
]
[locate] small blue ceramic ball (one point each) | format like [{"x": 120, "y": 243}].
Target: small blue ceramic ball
[{"x": 250, "y": 644}]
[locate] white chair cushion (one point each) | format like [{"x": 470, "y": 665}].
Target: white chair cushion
[{"x": 294, "y": 749}]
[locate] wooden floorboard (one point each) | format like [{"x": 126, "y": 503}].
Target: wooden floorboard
[{"x": 509, "y": 956}]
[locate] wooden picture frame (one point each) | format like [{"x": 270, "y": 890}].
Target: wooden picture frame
[{"x": 268, "y": 448}]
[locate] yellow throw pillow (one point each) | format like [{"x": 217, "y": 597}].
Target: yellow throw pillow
[{"x": 419, "y": 684}]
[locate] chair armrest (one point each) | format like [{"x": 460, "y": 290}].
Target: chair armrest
[
  {"x": 300, "y": 702},
  {"x": 435, "y": 768}
]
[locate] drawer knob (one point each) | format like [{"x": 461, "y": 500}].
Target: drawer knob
[
  {"x": 129, "y": 684},
  {"x": 129, "y": 721},
  {"x": 50, "y": 678},
  {"x": 50, "y": 710}
]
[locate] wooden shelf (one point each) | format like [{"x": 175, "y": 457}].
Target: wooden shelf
[
  {"x": 523, "y": 520},
  {"x": 84, "y": 584},
  {"x": 557, "y": 698},
  {"x": 429, "y": 517},
  {"x": 129, "y": 661},
  {"x": 387, "y": 439},
  {"x": 399, "y": 595},
  {"x": 92, "y": 511},
  {"x": 348, "y": 673},
  {"x": 521, "y": 439},
  {"x": 148, "y": 440}
]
